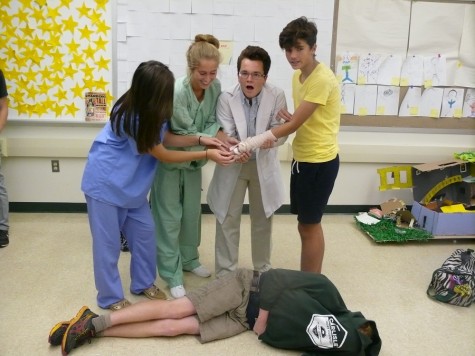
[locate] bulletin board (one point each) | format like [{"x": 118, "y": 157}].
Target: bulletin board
[
  {"x": 408, "y": 28},
  {"x": 52, "y": 52}
]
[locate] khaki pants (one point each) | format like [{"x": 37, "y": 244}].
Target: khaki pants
[{"x": 221, "y": 305}]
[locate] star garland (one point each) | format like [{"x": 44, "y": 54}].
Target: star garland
[{"x": 52, "y": 52}]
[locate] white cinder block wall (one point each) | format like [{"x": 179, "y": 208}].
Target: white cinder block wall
[{"x": 28, "y": 149}]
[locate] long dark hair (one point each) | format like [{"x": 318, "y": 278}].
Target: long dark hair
[{"x": 141, "y": 111}]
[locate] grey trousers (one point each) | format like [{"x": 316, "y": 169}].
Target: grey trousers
[
  {"x": 4, "y": 208},
  {"x": 228, "y": 233}
]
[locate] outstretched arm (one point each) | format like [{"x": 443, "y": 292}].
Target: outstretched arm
[
  {"x": 293, "y": 122},
  {"x": 163, "y": 154}
]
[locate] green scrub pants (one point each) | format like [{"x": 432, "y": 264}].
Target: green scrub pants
[{"x": 176, "y": 209}]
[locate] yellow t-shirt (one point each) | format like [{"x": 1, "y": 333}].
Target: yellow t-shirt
[{"x": 316, "y": 140}]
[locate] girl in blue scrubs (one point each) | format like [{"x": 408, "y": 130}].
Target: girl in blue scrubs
[{"x": 117, "y": 179}]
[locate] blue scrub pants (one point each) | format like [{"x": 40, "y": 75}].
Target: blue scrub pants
[{"x": 106, "y": 221}]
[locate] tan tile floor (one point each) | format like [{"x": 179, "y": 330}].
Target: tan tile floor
[{"x": 46, "y": 276}]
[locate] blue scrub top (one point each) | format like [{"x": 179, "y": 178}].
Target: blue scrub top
[{"x": 116, "y": 173}]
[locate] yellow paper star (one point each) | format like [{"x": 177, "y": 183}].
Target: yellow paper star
[
  {"x": 101, "y": 43},
  {"x": 73, "y": 46},
  {"x": 22, "y": 109},
  {"x": 69, "y": 71},
  {"x": 48, "y": 103},
  {"x": 57, "y": 109},
  {"x": 41, "y": 3},
  {"x": 95, "y": 16},
  {"x": 64, "y": 3},
  {"x": 109, "y": 97},
  {"x": 25, "y": 3},
  {"x": 71, "y": 109},
  {"x": 31, "y": 91},
  {"x": 102, "y": 27},
  {"x": 53, "y": 12},
  {"x": 44, "y": 87},
  {"x": 70, "y": 24},
  {"x": 103, "y": 63},
  {"x": 40, "y": 109},
  {"x": 89, "y": 83},
  {"x": 61, "y": 94},
  {"x": 77, "y": 91},
  {"x": 78, "y": 60},
  {"x": 88, "y": 71},
  {"x": 57, "y": 80},
  {"x": 37, "y": 15},
  {"x": 101, "y": 83},
  {"x": 45, "y": 72},
  {"x": 22, "y": 16},
  {"x": 89, "y": 51},
  {"x": 27, "y": 31},
  {"x": 56, "y": 29},
  {"x": 85, "y": 32},
  {"x": 101, "y": 4},
  {"x": 30, "y": 76},
  {"x": 83, "y": 10}
]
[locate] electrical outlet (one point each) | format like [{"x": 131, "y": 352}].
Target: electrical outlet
[{"x": 54, "y": 165}]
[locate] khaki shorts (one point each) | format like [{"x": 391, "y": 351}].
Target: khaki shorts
[{"x": 221, "y": 305}]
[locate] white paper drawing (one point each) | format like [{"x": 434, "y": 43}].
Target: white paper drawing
[
  {"x": 412, "y": 71},
  {"x": 347, "y": 68},
  {"x": 410, "y": 103},
  {"x": 469, "y": 103},
  {"x": 452, "y": 102},
  {"x": 390, "y": 70},
  {"x": 365, "y": 100},
  {"x": 435, "y": 71},
  {"x": 347, "y": 98},
  {"x": 387, "y": 102},
  {"x": 368, "y": 67},
  {"x": 431, "y": 102}
]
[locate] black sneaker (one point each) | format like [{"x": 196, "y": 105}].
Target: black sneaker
[
  {"x": 57, "y": 332},
  {"x": 4, "y": 241},
  {"x": 80, "y": 330},
  {"x": 124, "y": 245}
]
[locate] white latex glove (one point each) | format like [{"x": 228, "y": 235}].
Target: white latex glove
[{"x": 251, "y": 143}]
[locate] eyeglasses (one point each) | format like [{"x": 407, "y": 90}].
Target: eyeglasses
[{"x": 254, "y": 75}]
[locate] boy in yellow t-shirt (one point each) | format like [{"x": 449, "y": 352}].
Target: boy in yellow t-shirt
[{"x": 316, "y": 121}]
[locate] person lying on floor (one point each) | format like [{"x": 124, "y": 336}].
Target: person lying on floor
[{"x": 287, "y": 309}]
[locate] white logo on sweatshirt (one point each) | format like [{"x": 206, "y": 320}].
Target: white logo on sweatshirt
[{"x": 326, "y": 332}]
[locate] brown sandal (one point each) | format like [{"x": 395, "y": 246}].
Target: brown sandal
[
  {"x": 154, "y": 293},
  {"x": 124, "y": 303}
]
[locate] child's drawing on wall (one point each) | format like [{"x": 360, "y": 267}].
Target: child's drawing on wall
[
  {"x": 387, "y": 102},
  {"x": 431, "y": 102},
  {"x": 390, "y": 70},
  {"x": 347, "y": 98},
  {"x": 435, "y": 71},
  {"x": 469, "y": 103},
  {"x": 347, "y": 68},
  {"x": 368, "y": 68},
  {"x": 410, "y": 103},
  {"x": 452, "y": 102},
  {"x": 365, "y": 100},
  {"x": 412, "y": 71}
]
